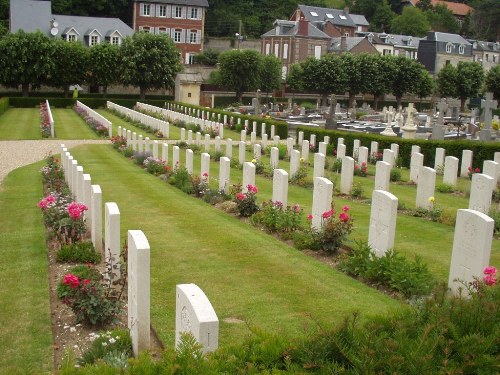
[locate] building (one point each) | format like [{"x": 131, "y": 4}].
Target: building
[
  {"x": 31, "y": 16},
  {"x": 354, "y": 45},
  {"x": 486, "y": 53},
  {"x": 393, "y": 44},
  {"x": 459, "y": 10},
  {"x": 183, "y": 20},
  {"x": 294, "y": 41},
  {"x": 440, "y": 49},
  {"x": 333, "y": 22}
]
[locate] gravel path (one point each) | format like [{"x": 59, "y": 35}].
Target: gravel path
[{"x": 15, "y": 154}]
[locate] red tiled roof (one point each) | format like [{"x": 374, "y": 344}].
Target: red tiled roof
[{"x": 458, "y": 9}]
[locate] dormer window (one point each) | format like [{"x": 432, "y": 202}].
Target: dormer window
[
  {"x": 449, "y": 47},
  {"x": 93, "y": 37},
  {"x": 115, "y": 40},
  {"x": 314, "y": 14},
  {"x": 461, "y": 49},
  {"x": 410, "y": 41},
  {"x": 71, "y": 38}
]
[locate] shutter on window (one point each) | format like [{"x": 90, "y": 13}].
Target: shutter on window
[
  {"x": 167, "y": 31},
  {"x": 183, "y": 36},
  {"x": 172, "y": 34},
  {"x": 141, "y": 6},
  {"x": 157, "y": 30},
  {"x": 152, "y": 12},
  {"x": 169, "y": 11},
  {"x": 184, "y": 11},
  {"x": 158, "y": 11},
  {"x": 200, "y": 13},
  {"x": 188, "y": 12},
  {"x": 198, "y": 37}
]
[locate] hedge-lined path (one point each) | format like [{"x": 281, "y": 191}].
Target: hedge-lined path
[{"x": 15, "y": 154}]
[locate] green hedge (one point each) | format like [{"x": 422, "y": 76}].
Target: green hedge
[
  {"x": 4, "y": 105},
  {"x": 31, "y": 102},
  {"x": 280, "y": 127},
  {"x": 36, "y": 94},
  {"x": 481, "y": 150}
]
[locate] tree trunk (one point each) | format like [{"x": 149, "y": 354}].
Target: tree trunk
[
  {"x": 375, "y": 102},
  {"x": 324, "y": 100},
  {"x": 26, "y": 89},
  {"x": 398, "y": 100},
  {"x": 143, "y": 93},
  {"x": 351, "y": 99},
  {"x": 239, "y": 96},
  {"x": 105, "y": 91},
  {"x": 462, "y": 104}
]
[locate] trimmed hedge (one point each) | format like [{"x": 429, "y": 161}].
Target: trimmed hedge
[
  {"x": 280, "y": 127},
  {"x": 31, "y": 102},
  {"x": 481, "y": 150},
  {"x": 4, "y": 105},
  {"x": 41, "y": 94}
]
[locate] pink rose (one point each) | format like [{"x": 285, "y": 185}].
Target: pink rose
[
  {"x": 345, "y": 208},
  {"x": 71, "y": 280},
  {"x": 490, "y": 280},
  {"x": 344, "y": 217},
  {"x": 490, "y": 270},
  {"x": 309, "y": 217},
  {"x": 240, "y": 196}
]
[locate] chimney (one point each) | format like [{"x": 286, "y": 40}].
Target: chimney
[
  {"x": 346, "y": 9},
  {"x": 343, "y": 43},
  {"x": 303, "y": 27}
]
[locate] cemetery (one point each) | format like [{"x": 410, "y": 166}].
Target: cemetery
[{"x": 232, "y": 246}]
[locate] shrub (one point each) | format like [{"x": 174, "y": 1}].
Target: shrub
[
  {"x": 139, "y": 157},
  {"x": 154, "y": 166},
  {"x": 247, "y": 202},
  {"x": 82, "y": 272},
  {"x": 360, "y": 170},
  {"x": 299, "y": 177},
  {"x": 119, "y": 142},
  {"x": 53, "y": 174},
  {"x": 337, "y": 165},
  {"x": 109, "y": 346},
  {"x": 274, "y": 217},
  {"x": 376, "y": 156},
  {"x": 181, "y": 179},
  {"x": 78, "y": 252},
  {"x": 357, "y": 190},
  {"x": 334, "y": 230},
  {"x": 395, "y": 174},
  {"x": 200, "y": 185},
  {"x": 445, "y": 188}
]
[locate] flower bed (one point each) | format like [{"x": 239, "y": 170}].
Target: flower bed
[
  {"x": 44, "y": 121},
  {"x": 94, "y": 124}
]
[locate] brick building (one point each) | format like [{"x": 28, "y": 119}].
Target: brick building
[{"x": 183, "y": 20}]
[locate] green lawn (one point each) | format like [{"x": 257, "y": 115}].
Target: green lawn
[
  {"x": 68, "y": 125},
  {"x": 25, "y": 326},
  {"x": 20, "y": 123},
  {"x": 245, "y": 273}
]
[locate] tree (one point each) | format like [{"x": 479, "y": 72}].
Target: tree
[
  {"x": 325, "y": 76},
  {"x": 442, "y": 19},
  {"x": 485, "y": 20},
  {"x": 295, "y": 79},
  {"x": 102, "y": 69},
  {"x": 26, "y": 59},
  {"x": 424, "y": 5},
  {"x": 382, "y": 19},
  {"x": 150, "y": 62},
  {"x": 207, "y": 57},
  {"x": 493, "y": 81},
  {"x": 469, "y": 82},
  {"x": 406, "y": 77},
  {"x": 355, "y": 80},
  {"x": 69, "y": 64},
  {"x": 377, "y": 72},
  {"x": 447, "y": 81},
  {"x": 366, "y": 7},
  {"x": 239, "y": 71},
  {"x": 270, "y": 73},
  {"x": 411, "y": 22},
  {"x": 425, "y": 85}
]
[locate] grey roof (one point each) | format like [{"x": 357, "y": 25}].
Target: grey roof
[
  {"x": 359, "y": 19},
  {"x": 31, "y": 16},
  {"x": 445, "y": 37},
  {"x": 350, "y": 43},
  {"x": 196, "y": 3},
  {"x": 335, "y": 16},
  {"x": 291, "y": 28},
  {"x": 480, "y": 45}
]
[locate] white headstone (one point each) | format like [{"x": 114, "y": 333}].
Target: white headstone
[
  {"x": 189, "y": 160},
  {"x": 264, "y": 141},
  {"x": 415, "y": 148},
  {"x": 363, "y": 155},
  {"x": 416, "y": 162},
  {"x": 471, "y": 247},
  {"x": 322, "y": 201},
  {"x": 389, "y": 157},
  {"x": 276, "y": 139},
  {"x": 140, "y": 144},
  {"x": 224, "y": 173},
  {"x": 305, "y": 150},
  {"x": 87, "y": 198},
  {"x": 241, "y": 152},
  {"x": 280, "y": 186},
  {"x": 229, "y": 148},
  {"x": 198, "y": 139},
  {"x": 190, "y": 137},
  {"x": 312, "y": 141},
  {"x": 96, "y": 229},
  {"x": 243, "y": 136},
  {"x": 355, "y": 149},
  {"x": 319, "y": 164},
  {"x": 490, "y": 168},
  {"x": 217, "y": 144},
  {"x": 425, "y": 187},
  {"x": 450, "y": 170},
  {"x": 194, "y": 314},
  {"x": 207, "y": 142},
  {"x": 382, "y": 175},
  {"x": 164, "y": 152},
  {"x": 395, "y": 148},
  {"x": 79, "y": 183},
  {"x": 248, "y": 176},
  {"x": 373, "y": 148},
  {"x": 322, "y": 148},
  {"x": 205, "y": 166},
  {"x": 155, "y": 149},
  {"x": 257, "y": 151},
  {"x": 340, "y": 141},
  {"x": 272, "y": 132},
  {"x": 439, "y": 159},
  {"x": 112, "y": 241},
  {"x": 480, "y": 193},
  {"x": 341, "y": 151},
  {"x": 384, "y": 211},
  {"x": 347, "y": 175},
  {"x": 139, "y": 286},
  {"x": 175, "y": 157},
  {"x": 326, "y": 139},
  {"x": 147, "y": 145},
  {"x": 289, "y": 146},
  {"x": 253, "y": 137},
  {"x": 294, "y": 162},
  {"x": 466, "y": 163},
  {"x": 275, "y": 153},
  {"x": 301, "y": 137}
]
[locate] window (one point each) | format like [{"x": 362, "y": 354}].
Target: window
[
  {"x": 346, "y": 35},
  {"x": 285, "y": 51},
  {"x": 314, "y": 14},
  {"x": 461, "y": 49},
  {"x": 71, "y": 38},
  {"x": 317, "y": 52},
  {"x": 386, "y": 52},
  {"x": 177, "y": 35},
  {"x": 283, "y": 72},
  {"x": 449, "y": 47},
  {"x": 145, "y": 29},
  {"x": 161, "y": 10},
  {"x": 115, "y": 40},
  {"x": 487, "y": 57},
  {"x": 277, "y": 50},
  {"x": 329, "y": 15},
  {"x": 194, "y": 14},
  {"x": 342, "y": 17},
  {"x": 268, "y": 48},
  {"x": 163, "y": 30},
  {"x": 94, "y": 39},
  {"x": 193, "y": 36},
  {"x": 190, "y": 58},
  {"x": 146, "y": 10},
  {"x": 178, "y": 12}
]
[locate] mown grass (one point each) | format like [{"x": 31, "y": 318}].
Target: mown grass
[
  {"x": 68, "y": 125},
  {"x": 25, "y": 325},
  {"x": 245, "y": 273},
  {"x": 20, "y": 123}
]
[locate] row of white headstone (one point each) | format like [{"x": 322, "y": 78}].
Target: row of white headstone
[
  {"x": 153, "y": 122},
  {"x": 51, "y": 119},
  {"x": 194, "y": 312},
  {"x": 96, "y": 116}
]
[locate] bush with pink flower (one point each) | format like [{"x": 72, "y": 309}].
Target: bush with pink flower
[
  {"x": 246, "y": 202},
  {"x": 490, "y": 275}
]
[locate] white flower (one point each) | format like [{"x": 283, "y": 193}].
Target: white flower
[
  {"x": 72, "y": 329},
  {"x": 112, "y": 340},
  {"x": 104, "y": 344}
]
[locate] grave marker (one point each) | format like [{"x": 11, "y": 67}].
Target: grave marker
[
  {"x": 248, "y": 176},
  {"x": 382, "y": 175},
  {"x": 450, "y": 170},
  {"x": 384, "y": 211},
  {"x": 112, "y": 241},
  {"x": 224, "y": 173},
  {"x": 280, "y": 186},
  {"x": 347, "y": 175},
  {"x": 480, "y": 193},
  {"x": 319, "y": 164},
  {"x": 96, "y": 228},
  {"x": 425, "y": 187},
  {"x": 322, "y": 201},
  {"x": 189, "y": 161}
]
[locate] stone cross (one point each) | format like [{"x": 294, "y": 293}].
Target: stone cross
[
  {"x": 488, "y": 105},
  {"x": 331, "y": 121}
]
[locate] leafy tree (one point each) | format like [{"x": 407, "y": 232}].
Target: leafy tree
[
  {"x": 485, "y": 20},
  {"x": 406, "y": 77},
  {"x": 69, "y": 64},
  {"x": 425, "y": 86},
  {"x": 355, "y": 80},
  {"x": 470, "y": 80},
  {"x": 366, "y": 7},
  {"x": 270, "y": 73},
  {"x": 442, "y": 19},
  {"x": 239, "y": 71},
  {"x": 424, "y": 5},
  {"x": 325, "y": 76},
  {"x": 102, "y": 69},
  {"x": 377, "y": 72},
  {"x": 295, "y": 79},
  {"x": 149, "y": 62},
  {"x": 26, "y": 59},
  {"x": 382, "y": 19},
  {"x": 207, "y": 57},
  {"x": 447, "y": 81},
  {"x": 493, "y": 81},
  {"x": 411, "y": 22}
]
